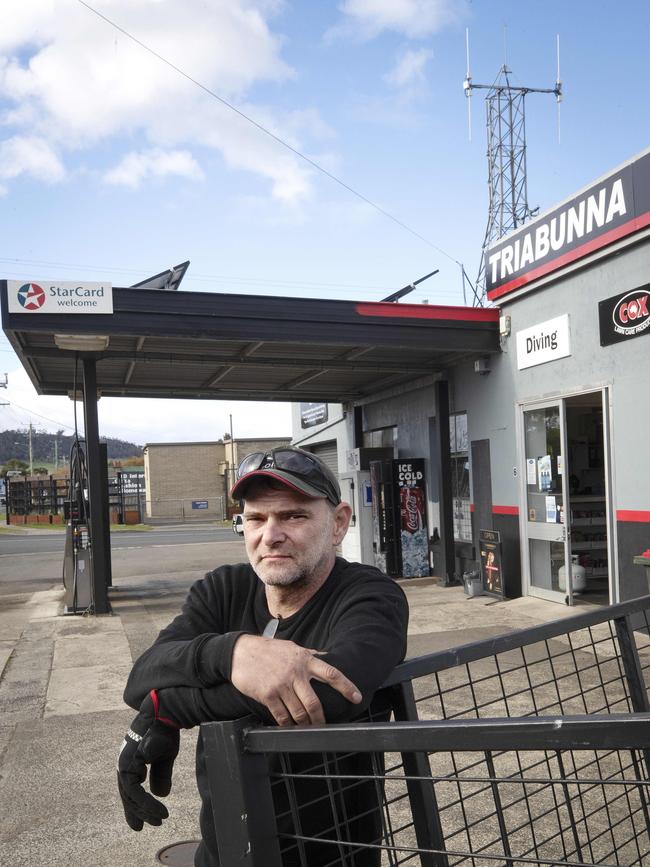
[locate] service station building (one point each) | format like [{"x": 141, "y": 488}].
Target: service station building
[{"x": 508, "y": 443}]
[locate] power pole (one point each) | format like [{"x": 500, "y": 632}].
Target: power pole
[
  {"x": 232, "y": 455},
  {"x": 506, "y": 152},
  {"x": 31, "y": 452}
]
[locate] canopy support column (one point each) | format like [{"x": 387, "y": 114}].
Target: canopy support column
[
  {"x": 443, "y": 473},
  {"x": 96, "y": 494}
]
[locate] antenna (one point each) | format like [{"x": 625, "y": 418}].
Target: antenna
[
  {"x": 558, "y": 89},
  {"x": 467, "y": 86},
  {"x": 508, "y": 206}
]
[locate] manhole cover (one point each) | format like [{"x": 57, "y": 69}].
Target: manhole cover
[{"x": 178, "y": 854}]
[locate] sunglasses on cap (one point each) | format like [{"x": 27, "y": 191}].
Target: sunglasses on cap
[{"x": 300, "y": 466}]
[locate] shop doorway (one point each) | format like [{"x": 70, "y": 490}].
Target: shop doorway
[{"x": 566, "y": 515}]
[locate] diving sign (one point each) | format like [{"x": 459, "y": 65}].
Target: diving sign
[
  {"x": 47, "y": 296},
  {"x": 544, "y": 342}
]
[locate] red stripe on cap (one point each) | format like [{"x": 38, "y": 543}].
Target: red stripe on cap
[
  {"x": 427, "y": 311},
  {"x": 603, "y": 240},
  {"x": 633, "y": 516}
]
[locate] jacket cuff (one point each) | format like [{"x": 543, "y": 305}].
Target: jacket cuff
[{"x": 214, "y": 658}]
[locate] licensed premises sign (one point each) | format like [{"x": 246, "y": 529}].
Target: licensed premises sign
[
  {"x": 544, "y": 342},
  {"x": 312, "y": 414},
  {"x": 50, "y": 297}
]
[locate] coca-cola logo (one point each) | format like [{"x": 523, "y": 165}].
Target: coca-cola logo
[
  {"x": 412, "y": 514},
  {"x": 630, "y": 315}
]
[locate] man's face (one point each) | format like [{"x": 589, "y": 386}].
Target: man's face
[{"x": 291, "y": 539}]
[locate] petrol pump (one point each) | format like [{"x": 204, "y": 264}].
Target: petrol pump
[{"x": 77, "y": 557}]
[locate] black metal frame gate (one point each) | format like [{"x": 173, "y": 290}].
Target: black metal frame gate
[{"x": 531, "y": 748}]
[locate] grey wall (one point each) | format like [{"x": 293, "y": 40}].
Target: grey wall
[{"x": 625, "y": 367}]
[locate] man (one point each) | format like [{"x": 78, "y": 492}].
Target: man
[{"x": 296, "y": 636}]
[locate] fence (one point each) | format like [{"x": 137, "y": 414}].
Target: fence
[
  {"x": 187, "y": 508},
  {"x": 532, "y": 748},
  {"x": 43, "y": 499}
]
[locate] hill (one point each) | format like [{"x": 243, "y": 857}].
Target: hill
[{"x": 14, "y": 444}]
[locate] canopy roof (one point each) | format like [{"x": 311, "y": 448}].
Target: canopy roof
[{"x": 250, "y": 347}]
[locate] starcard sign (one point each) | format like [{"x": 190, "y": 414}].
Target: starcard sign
[
  {"x": 624, "y": 316},
  {"x": 544, "y": 342},
  {"x": 49, "y": 297},
  {"x": 610, "y": 209}
]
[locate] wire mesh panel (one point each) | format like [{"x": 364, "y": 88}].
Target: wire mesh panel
[
  {"x": 592, "y": 663},
  {"x": 550, "y": 806},
  {"x": 512, "y": 788}
]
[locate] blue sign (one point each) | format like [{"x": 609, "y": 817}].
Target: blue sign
[{"x": 199, "y": 504}]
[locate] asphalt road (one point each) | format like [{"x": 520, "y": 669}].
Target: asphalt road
[
  {"x": 34, "y": 562},
  {"x": 53, "y": 542}
]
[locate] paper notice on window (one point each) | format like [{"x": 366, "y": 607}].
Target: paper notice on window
[
  {"x": 551, "y": 510},
  {"x": 531, "y": 471},
  {"x": 544, "y": 473}
]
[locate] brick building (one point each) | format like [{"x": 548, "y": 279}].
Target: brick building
[{"x": 191, "y": 480}]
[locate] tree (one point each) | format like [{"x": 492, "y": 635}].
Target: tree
[{"x": 14, "y": 465}]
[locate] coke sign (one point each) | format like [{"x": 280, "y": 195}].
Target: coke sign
[
  {"x": 624, "y": 316},
  {"x": 410, "y": 498}
]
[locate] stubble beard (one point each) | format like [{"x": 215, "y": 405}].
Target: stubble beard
[{"x": 296, "y": 576}]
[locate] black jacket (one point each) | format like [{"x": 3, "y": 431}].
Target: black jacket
[{"x": 358, "y": 617}]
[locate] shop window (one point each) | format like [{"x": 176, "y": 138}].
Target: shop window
[
  {"x": 459, "y": 456},
  {"x": 382, "y": 438}
]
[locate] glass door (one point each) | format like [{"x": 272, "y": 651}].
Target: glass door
[{"x": 547, "y": 544}]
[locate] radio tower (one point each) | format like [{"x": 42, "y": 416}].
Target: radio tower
[{"x": 506, "y": 152}]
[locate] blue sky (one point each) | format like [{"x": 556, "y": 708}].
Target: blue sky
[{"x": 113, "y": 166}]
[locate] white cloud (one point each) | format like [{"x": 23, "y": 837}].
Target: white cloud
[
  {"x": 137, "y": 167},
  {"x": 70, "y": 78},
  {"x": 414, "y": 19},
  {"x": 29, "y": 155},
  {"x": 409, "y": 69}
]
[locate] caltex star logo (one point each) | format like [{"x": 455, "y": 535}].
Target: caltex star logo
[{"x": 31, "y": 296}]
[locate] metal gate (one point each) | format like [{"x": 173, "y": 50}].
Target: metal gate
[{"x": 529, "y": 749}]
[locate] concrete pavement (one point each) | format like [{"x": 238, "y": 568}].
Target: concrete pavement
[{"x": 62, "y": 718}]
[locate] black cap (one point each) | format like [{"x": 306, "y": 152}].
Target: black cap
[{"x": 295, "y": 468}]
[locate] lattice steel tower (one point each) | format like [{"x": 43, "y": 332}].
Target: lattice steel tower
[{"x": 505, "y": 107}]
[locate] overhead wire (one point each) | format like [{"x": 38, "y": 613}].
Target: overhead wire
[
  {"x": 253, "y": 284},
  {"x": 44, "y": 417},
  {"x": 269, "y": 133}
]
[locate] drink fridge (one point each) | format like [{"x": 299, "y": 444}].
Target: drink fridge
[{"x": 399, "y": 517}]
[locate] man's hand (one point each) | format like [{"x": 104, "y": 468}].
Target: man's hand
[
  {"x": 151, "y": 740},
  {"x": 277, "y": 674}
]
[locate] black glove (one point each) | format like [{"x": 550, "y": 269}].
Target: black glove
[{"x": 151, "y": 740}]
